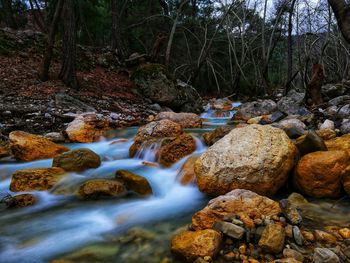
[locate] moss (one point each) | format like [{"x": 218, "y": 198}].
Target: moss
[{"x": 148, "y": 70}]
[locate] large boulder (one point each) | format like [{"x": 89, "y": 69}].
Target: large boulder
[
  {"x": 156, "y": 83},
  {"x": 186, "y": 120},
  {"x": 88, "y": 127},
  {"x": 97, "y": 188},
  {"x": 77, "y": 160},
  {"x": 212, "y": 137},
  {"x": 28, "y": 147},
  {"x": 253, "y": 109},
  {"x": 333, "y": 90},
  {"x": 37, "y": 179},
  {"x": 319, "y": 174},
  {"x": 339, "y": 143},
  {"x": 243, "y": 203},
  {"x": 134, "y": 182},
  {"x": 257, "y": 158},
  {"x": 190, "y": 245}
]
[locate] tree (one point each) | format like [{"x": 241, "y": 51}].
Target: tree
[
  {"x": 341, "y": 11},
  {"x": 68, "y": 69},
  {"x": 117, "y": 43},
  {"x": 8, "y": 14}
]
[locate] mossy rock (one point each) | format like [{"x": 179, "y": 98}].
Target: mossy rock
[{"x": 151, "y": 70}]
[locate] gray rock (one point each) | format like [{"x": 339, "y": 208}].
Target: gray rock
[
  {"x": 64, "y": 101},
  {"x": 298, "y": 237},
  {"x": 333, "y": 90},
  {"x": 344, "y": 111},
  {"x": 339, "y": 100},
  {"x": 293, "y": 127},
  {"x": 230, "y": 229},
  {"x": 327, "y": 124},
  {"x": 291, "y": 103},
  {"x": 291, "y": 253},
  {"x": 332, "y": 111},
  {"x": 310, "y": 142},
  {"x": 55, "y": 137},
  {"x": 290, "y": 212},
  {"x": 253, "y": 109},
  {"x": 345, "y": 127},
  {"x": 325, "y": 255}
]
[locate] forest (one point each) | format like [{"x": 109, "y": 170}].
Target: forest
[{"x": 173, "y": 131}]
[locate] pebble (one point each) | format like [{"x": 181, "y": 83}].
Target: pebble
[
  {"x": 230, "y": 229},
  {"x": 291, "y": 253},
  {"x": 325, "y": 255},
  {"x": 297, "y": 236}
]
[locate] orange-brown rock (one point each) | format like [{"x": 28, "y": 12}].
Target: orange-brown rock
[
  {"x": 324, "y": 237},
  {"x": 237, "y": 202},
  {"x": 37, "y": 179},
  {"x": 28, "y": 147},
  {"x": 319, "y": 174},
  {"x": 186, "y": 120},
  {"x": 134, "y": 182},
  {"x": 190, "y": 245},
  {"x": 22, "y": 200},
  {"x": 326, "y": 134},
  {"x": 212, "y": 137},
  {"x": 345, "y": 233},
  {"x": 285, "y": 260},
  {"x": 272, "y": 238},
  {"x": 186, "y": 175},
  {"x": 339, "y": 143},
  {"x": 258, "y": 158},
  {"x": 97, "y": 188},
  {"x": 174, "y": 149},
  {"x": 88, "y": 127}
]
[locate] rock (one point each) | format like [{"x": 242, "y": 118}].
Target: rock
[
  {"x": 56, "y": 137},
  {"x": 344, "y": 112},
  {"x": 333, "y": 90},
  {"x": 212, "y": 137},
  {"x": 88, "y": 127},
  {"x": 255, "y": 157},
  {"x": 186, "y": 120},
  {"x": 290, "y": 212},
  {"x": 310, "y": 142},
  {"x": 274, "y": 117},
  {"x": 237, "y": 202},
  {"x": 77, "y": 160},
  {"x": 339, "y": 143},
  {"x": 293, "y": 127},
  {"x": 298, "y": 237},
  {"x": 272, "y": 239},
  {"x": 64, "y": 101},
  {"x": 319, "y": 174},
  {"x": 29, "y": 147},
  {"x": 325, "y": 237},
  {"x": 345, "y": 233},
  {"x": 191, "y": 245},
  {"x": 4, "y": 146},
  {"x": 253, "y": 109},
  {"x": 291, "y": 253},
  {"x": 339, "y": 100},
  {"x": 326, "y": 134},
  {"x": 345, "y": 127},
  {"x": 307, "y": 235},
  {"x": 22, "y": 200},
  {"x": 36, "y": 179},
  {"x": 154, "y": 131},
  {"x": 327, "y": 124},
  {"x": 286, "y": 260},
  {"x": 96, "y": 188},
  {"x": 325, "y": 255},
  {"x": 292, "y": 103},
  {"x": 174, "y": 149},
  {"x": 134, "y": 182},
  {"x": 186, "y": 175},
  {"x": 230, "y": 229}
]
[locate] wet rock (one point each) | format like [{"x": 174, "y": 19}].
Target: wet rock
[
  {"x": 190, "y": 245},
  {"x": 243, "y": 203},
  {"x": 319, "y": 174},
  {"x": 327, "y": 124},
  {"x": 272, "y": 239},
  {"x": 97, "y": 188},
  {"x": 325, "y": 255},
  {"x": 326, "y": 134},
  {"x": 293, "y": 127},
  {"x": 298, "y": 237},
  {"x": 56, "y": 137},
  {"x": 230, "y": 229},
  {"x": 28, "y": 147},
  {"x": 339, "y": 100},
  {"x": 186, "y": 120},
  {"x": 255, "y": 157},
  {"x": 4, "y": 146},
  {"x": 324, "y": 237},
  {"x": 154, "y": 131},
  {"x": 77, "y": 160},
  {"x": 22, "y": 200},
  {"x": 36, "y": 179},
  {"x": 186, "y": 175},
  {"x": 253, "y": 109},
  {"x": 345, "y": 127},
  {"x": 291, "y": 253},
  {"x": 174, "y": 149},
  {"x": 292, "y": 103},
  {"x": 212, "y": 137},
  {"x": 88, "y": 127},
  {"x": 290, "y": 212},
  {"x": 339, "y": 143},
  {"x": 134, "y": 182},
  {"x": 333, "y": 90},
  {"x": 310, "y": 142}
]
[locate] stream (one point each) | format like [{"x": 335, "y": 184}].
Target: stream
[{"x": 60, "y": 224}]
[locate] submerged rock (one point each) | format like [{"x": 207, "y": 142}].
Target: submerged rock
[
  {"x": 22, "y": 200},
  {"x": 243, "y": 203},
  {"x": 134, "y": 182},
  {"x": 258, "y": 158},
  {"x": 97, "y": 188},
  {"x": 272, "y": 238},
  {"x": 36, "y": 179},
  {"x": 319, "y": 174},
  {"x": 212, "y": 137},
  {"x": 186, "y": 120},
  {"x": 29, "y": 147},
  {"x": 77, "y": 160},
  {"x": 190, "y": 245}
]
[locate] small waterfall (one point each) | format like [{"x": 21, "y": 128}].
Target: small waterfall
[{"x": 148, "y": 152}]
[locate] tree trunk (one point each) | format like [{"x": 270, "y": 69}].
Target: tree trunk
[
  {"x": 117, "y": 43},
  {"x": 342, "y": 13},
  {"x": 36, "y": 17},
  {"x": 8, "y": 14},
  {"x": 44, "y": 75},
  {"x": 290, "y": 48},
  {"x": 68, "y": 69},
  {"x": 313, "y": 91}
]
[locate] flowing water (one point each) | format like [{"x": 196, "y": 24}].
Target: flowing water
[{"x": 61, "y": 224}]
